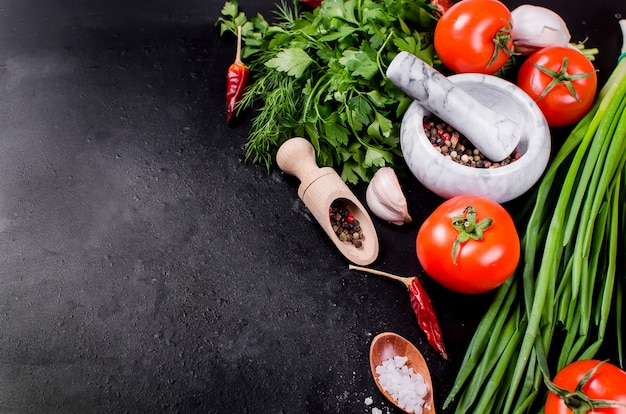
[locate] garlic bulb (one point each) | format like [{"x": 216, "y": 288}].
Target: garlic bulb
[
  {"x": 385, "y": 198},
  {"x": 536, "y": 27}
]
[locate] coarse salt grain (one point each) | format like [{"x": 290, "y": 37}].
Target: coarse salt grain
[
  {"x": 369, "y": 401},
  {"x": 404, "y": 385},
  {"x": 377, "y": 411}
]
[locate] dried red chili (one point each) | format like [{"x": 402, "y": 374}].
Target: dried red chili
[
  {"x": 236, "y": 80},
  {"x": 426, "y": 317},
  {"x": 422, "y": 307}
]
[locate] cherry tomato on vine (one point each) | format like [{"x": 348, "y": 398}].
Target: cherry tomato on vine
[
  {"x": 607, "y": 383},
  {"x": 474, "y": 36},
  {"x": 469, "y": 244},
  {"x": 562, "y": 81}
]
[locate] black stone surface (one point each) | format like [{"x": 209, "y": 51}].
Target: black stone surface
[{"x": 144, "y": 266}]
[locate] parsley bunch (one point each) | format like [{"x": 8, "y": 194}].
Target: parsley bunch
[{"x": 320, "y": 74}]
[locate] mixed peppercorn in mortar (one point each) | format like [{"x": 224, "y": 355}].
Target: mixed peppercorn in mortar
[{"x": 457, "y": 147}]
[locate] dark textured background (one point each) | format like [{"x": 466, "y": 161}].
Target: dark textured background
[{"x": 144, "y": 267}]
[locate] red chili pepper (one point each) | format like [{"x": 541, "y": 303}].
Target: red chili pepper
[
  {"x": 422, "y": 306},
  {"x": 237, "y": 80},
  {"x": 426, "y": 317}
]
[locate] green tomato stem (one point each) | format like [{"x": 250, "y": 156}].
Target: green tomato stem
[
  {"x": 468, "y": 229},
  {"x": 561, "y": 77},
  {"x": 577, "y": 400},
  {"x": 500, "y": 41}
]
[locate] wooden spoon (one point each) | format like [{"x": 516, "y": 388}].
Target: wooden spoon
[{"x": 388, "y": 345}]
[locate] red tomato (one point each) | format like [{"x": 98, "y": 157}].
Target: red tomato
[
  {"x": 465, "y": 34},
  {"x": 559, "y": 66},
  {"x": 481, "y": 265},
  {"x": 442, "y": 5},
  {"x": 608, "y": 383},
  {"x": 312, "y": 3}
]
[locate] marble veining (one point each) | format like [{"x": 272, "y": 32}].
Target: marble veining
[
  {"x": 493, "y": 132},
  {"x": 447, "y": 178}
]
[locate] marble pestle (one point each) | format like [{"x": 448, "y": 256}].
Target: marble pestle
[{"x": 491, "y": 132}]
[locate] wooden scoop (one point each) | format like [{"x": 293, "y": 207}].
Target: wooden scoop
[
  {"x": 388, "y": 345},
  {"x": 319, "y": 189}
]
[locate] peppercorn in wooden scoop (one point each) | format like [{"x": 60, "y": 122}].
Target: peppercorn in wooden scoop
[{"x": 324, "y": 193}]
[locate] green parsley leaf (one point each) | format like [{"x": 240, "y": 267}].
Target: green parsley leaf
[
  {"x": 381, "y": 127},
  {"x": 359, "y": 63},
  {"x": 341, "y": 10},
  {"x": 361, "y": 107},
  {"x": 293, "y": 61},
  {"x": 230, "y": 9},
  {"x": 348, "y": 174},
  {"x": 338, "y": 34},
  {"x": 377, "y": 98},
  {"x": 376, "y": 157},
  {"x": 335, "y": 130}
]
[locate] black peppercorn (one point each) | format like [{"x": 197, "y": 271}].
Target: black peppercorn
[
  {"x": 456, "y": 147},
  {"x": 345, "y": 226}
]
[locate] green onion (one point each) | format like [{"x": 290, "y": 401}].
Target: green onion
[{"x": 556, "y": 308}]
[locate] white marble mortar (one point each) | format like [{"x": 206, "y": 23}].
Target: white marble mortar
[
  {"x": 448, "y": 178},
  {"x": 495, "y": 134}
]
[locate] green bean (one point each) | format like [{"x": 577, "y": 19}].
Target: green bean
[
  {"x": 607, "y": 291},
  {"x": 564, "y": 292},
  {"x": 529, "y": 243},
  {"x": 605, "y": 170},
  {"x": 598, "y": 166},
  {"x": 526, "y": 402},
  {"x": 598, "y": 267},
  {"x": 503, "y": 300},
  {"x": 619, "y": 300},
  {"x": 590, "y": 271},
  {"x": 495, "y": 381},
  {"x": 552, "y": 251},
  {"x": 587, "y": 155},
  {"x": 532, "y": 382},
  {"x": 498, "y": 351},
  {"x": 529, "y": 380},
  {"x": 503, "y": 329},
  {"x": 614, "y": 160},
  {"x": 621, "y": 283},
  {"x": 570, "y": 339}
]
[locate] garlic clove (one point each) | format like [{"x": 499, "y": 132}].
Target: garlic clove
[
  {"x": 385, "y": 198},
  {"x": 536, "y": 27}
]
